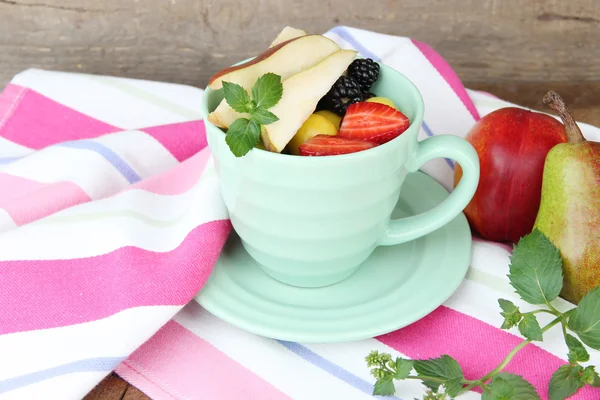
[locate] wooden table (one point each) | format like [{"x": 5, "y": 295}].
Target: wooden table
[
  {"x": 186, "y": 41},
  {"x": 583, "y": 100}
]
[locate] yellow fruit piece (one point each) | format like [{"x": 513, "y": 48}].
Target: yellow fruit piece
[
  {"x": 313, "y": 126},
  {"x": 382, "y": 100},
  {"x": 331, "y": 116},
  {"x": 260, "y": 145}
]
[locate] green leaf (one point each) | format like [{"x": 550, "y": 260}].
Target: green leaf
[
  {"x": 263, "y": 116},
  {"x": 585, "y": 320},
  {"x": 384, "y": 387},
  {"x": 506, "y": 386},
  {"x": 510, "y": 312},
  {"x": 453, "y": 386},
  {"x": 242, "y": 136},
  {"x": 536, "y": 269},
  {"x": 500, "y": 389},
  {"x": 403, "y": 368},
  {"x": 590, "y": 376},
  {"x": 577, "y": 353},
  {"x": 565, "y": 382},
  {"x": 508, "y": 306},
  {"x": 267, "y": 90},
  {"x": 444, "y": 367},
  {"x": 530, "y": 328},
  {"x": 237, "y": 97}
]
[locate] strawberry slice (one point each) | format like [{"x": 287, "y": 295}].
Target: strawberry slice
[
  {"x": 325, "y": 145},
  {"x": 373, "y": 122}
]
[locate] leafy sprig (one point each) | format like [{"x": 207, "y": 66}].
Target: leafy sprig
[
  {"x": 536, "y": 276},
  {"x": 244, "y": 133}
]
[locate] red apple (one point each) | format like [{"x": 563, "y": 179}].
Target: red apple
[{"x": 512, "y": 144}]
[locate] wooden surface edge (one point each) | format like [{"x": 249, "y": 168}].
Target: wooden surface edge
[
  {"x": 113, "y": 387},
  {"x": 186, "y": 41}
]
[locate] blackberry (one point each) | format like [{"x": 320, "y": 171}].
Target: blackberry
[
  {"x": 344, "y": 92},
  {"x": 365, "y": 71}
]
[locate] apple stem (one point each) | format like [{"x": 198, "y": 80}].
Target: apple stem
[{"x": 555, "y": 102}]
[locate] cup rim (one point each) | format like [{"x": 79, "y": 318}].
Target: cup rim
[{"x": 415, "y": 93}]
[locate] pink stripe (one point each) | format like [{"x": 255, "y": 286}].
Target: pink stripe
[
  {"x": 183, "y": 139},
  {"x": 177, "y": 364},
  {"x": 36, "y": 121},
  {"x": 178, "y": 179},
  {"x": 26, "y": 200},
  {"x": 143, "y": 383},
  {"x": 448, "y": 74},
  {"x": 10, "y": 98},
  {"x": 79, "y": 290},
  {"x": 478, "y": 347}
]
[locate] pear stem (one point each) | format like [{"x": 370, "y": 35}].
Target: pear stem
[{"x": 555, "y": 102}]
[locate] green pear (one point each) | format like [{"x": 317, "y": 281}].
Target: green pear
[{"x": 569, "y": 213}]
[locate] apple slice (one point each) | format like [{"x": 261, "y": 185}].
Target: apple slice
[
  {"x": 285, "y": 59},
  {"x": 286, "y": 34},
  {"x": 301, "y": 93}
]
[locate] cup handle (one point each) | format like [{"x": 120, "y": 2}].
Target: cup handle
[{"x": 447, "y": 146}]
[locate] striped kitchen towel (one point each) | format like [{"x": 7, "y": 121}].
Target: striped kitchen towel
[{"x": 111, "y": 221}]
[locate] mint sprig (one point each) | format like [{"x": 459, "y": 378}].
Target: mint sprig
[
  {"x": 237, "y": 97},
  {"x": 511, "y": 313},
  {"x": 507, "y": 386},
  {"x": 536, "y": 269},
  {"x": 267, "y": 90},
  {"x": 536, "y": 275},
  {"x": 585, "y": 319},
  {"x": 262, "y": 116},
  {"x": 577, "y": 352},
  {"x": 445, "y": 368},
  {"x": 244, "y": 133},
  {"x": 566, "y": 381},
  {"x": 530, "y": 327}
]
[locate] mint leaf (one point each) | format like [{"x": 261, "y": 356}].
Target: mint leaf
[
  {"x": 263, "y": 116},
  {"x": 237, "y": 97},
  {"x": 577, "y": 353},
  {"x": 453, "y": 386},
  {"x": 510, "y": 312},
  {"x": 565, "y": 382},
  {"x": 506, "y": 386},
  {"x": 500, "y": 389},
  {"x": 242, "y": 136},
  {"x": 384, "y": 387},
  {"x": 590, "y": 376},
  {"x": 530, "y": 328},
  {"x": 536, "y": 269},
  {"x": 508, "y": 306},
  {"x": 403, "y": 368},
  {"x": 585, "y": 320},
  {"x": 267, "y": 90},
  {"x": 244, "y": 133},
  {"x": 444, "y": 367}
]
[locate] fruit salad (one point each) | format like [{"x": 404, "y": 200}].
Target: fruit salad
[{"x": 304, "y": 96}]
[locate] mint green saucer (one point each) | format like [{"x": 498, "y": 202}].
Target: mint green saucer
[{"x": 395, "y": 287}]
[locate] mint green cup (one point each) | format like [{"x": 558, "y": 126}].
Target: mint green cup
[{"x": 312, "y": 221}]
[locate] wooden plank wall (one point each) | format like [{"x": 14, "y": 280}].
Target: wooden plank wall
[{"x": 185, "y": 41}]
